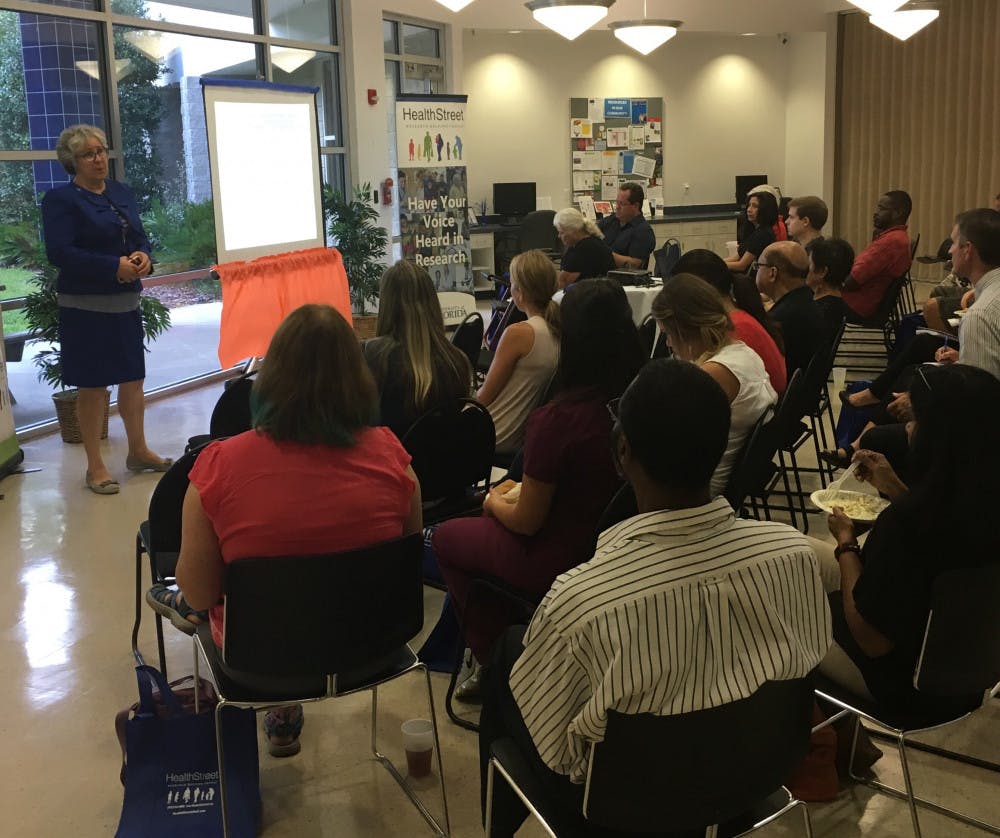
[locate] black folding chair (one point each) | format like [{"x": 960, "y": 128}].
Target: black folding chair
[
  {"x": 865, "y": 351},
  {"x": 717, "y": 772},
  {"x": 159, "y": 537},
  {"x": 469, "y": 337},
  {"x": 538, "y": 232},
  {"x": 231, "y": 414},
  {"x": 333, "y": 625},
  {"x": 452, "y": 449},
  {"x": 960, "y": 657}
]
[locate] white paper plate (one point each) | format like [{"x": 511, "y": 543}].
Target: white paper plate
[{"x": 826, "y": 499}]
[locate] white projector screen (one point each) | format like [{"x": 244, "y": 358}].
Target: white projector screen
[{"x": 263, "y": 148}]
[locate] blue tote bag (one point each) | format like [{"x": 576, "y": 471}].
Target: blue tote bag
[{"x": 171, "y": 773}]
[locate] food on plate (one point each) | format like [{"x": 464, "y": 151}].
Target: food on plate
[{"x": 858, "y": 506}]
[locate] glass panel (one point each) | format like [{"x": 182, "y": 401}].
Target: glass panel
[
  {"x": 51, "y": 71},
  {"x": 392, "y": 88},
  {"x": 333, "y": 171},
  {"x": 313, "y": 69},
  {"x": 420, "y": 40},
  {"x": 301, "y": 20},
  {"x": 163, "y": 130},
  {"x": 422, "y": 78},
  {"x": 237, "y": 18},
  {"x": 390, "y": 37},
  {"x": 87, "y": 5}
]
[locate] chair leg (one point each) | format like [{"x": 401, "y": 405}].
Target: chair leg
[
  {"x": 138, "y": 600},
  {"x": 490, "y": 776},
  {"x": 908, "y": 783},
  {"x": 159, "y": 645},
  {"x": 449, "y": 704},
  {"x": 399, "y": 778},
  {"x": 806, "y": 820}
]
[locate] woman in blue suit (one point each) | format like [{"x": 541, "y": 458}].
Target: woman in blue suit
[{"x": 93, "y": 234}]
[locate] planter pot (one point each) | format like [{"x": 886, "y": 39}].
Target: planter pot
[
  {"x": 364, "y": 326},
  {"x": 69, "y": 424}
]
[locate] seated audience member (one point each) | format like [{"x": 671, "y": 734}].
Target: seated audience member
[
  {"x": 830, "y": 262},
  {"x": 416, "y": 367},
  {"x": 568, "y": 474},
  {"x": 313, "y": 476},
  {"x": 627, "y": 232},
  {"x": 934, "y": 525},
  {"x": 975, "y": 252},
  {"x": 884, "y": 260},
  {"x": 528, "y": 352},
  {"x": 806, "y": 217},
  {"x": 691, "y": 315},
  {"x": 606, "y": 635},
  {"x": 781, "y": 275},
  {"x": 751, "y": 324},
  {"x": 762, "y": 213},
  {"x": 586, "y": 254}
]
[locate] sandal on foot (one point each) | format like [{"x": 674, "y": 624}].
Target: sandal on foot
[
  {"x": 283, "y": 726},
  {"x": 138, "y": 464},
  {"x": 105, "y": 487},
  {"x": 839, "y": 457},
  {"x": 169, "y": 603}
]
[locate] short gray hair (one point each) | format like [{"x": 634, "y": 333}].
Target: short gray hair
[
  {"x": 573, "y": 221},
  {"x": 71, "y": 142}
]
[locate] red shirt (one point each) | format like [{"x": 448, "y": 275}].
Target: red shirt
[
  {"x": 887, "y": 258},
  {"x": 268, "y": 498},
  {"x": 747, "y": 329}
]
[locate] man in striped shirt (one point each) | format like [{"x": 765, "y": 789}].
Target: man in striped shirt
[{"x": 683, "y": 607}]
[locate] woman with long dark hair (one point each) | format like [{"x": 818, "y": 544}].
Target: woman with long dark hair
[
  {"x": 416, "y": 367},
  {"x": 942, "y": 522},
  {"x": 569, "y": 476},
  {"x": 762, "y": 214}
]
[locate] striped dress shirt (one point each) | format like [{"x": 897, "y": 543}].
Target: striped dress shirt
[
  {"x": 979, "y": 331},
  {"x": 677, "y": 611}
]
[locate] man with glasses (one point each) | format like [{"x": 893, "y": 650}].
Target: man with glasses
[
  {"x": 649, "y": 624},
  {"x": 781, "y": 273},
  {"x": 627, "y": 232}
]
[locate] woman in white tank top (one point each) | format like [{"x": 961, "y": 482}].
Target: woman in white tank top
[
  {"x": 528, "y": 353},
  {"x": 691, "y": 315}
]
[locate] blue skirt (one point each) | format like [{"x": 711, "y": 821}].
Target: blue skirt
[{"x": 100, "y": 349}]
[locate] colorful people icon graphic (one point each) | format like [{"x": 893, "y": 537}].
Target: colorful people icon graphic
[
  {"x": 439, "y": 142},
  {"x": 411, "y": 148},
  {"x": 428, "y": 146},
  {"x": 458, "y": 148}
]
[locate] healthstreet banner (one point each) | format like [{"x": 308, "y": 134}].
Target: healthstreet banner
[
  {"x": 10, "y": 453},
  {"x": 434, "y": 188}
]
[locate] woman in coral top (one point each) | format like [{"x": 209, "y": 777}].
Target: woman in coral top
[{"x": 315, "y": 475}]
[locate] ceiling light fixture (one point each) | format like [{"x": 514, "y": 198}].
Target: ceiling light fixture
[
  {"x": 569, "y": 18},
  {"x": 875, "y": 7},
  {"x": 645, "y": 35},
  {"x": 455, "y": 5},
  {"x": 290, "y": 60},
  {"x": 906, "y": 23}
]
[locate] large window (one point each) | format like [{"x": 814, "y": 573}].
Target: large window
[
  {"x": 72, "y": 61},
  {"x": 413, "y": 64}
]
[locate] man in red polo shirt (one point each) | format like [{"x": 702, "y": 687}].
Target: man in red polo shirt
[{"x": 887, "y": 257}]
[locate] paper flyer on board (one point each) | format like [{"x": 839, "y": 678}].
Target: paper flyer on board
[
  {"x": 584, "y": 181},
  {"x": 609, "y": 187},
  {"x": 595, "y": 110},
  {"x": 581, "y": 128},
  {"x": 637, "y": 137},
  {"x": 654, "y": 130},
  {"x": 610, "y": 162},
  {"x": 617, "y": 137},
  {"x": 587, "y": 207},
  {"x": 643, "y": 166},
  {"x": 588, "y": 160},
  {"x": 433, "y": 188}
]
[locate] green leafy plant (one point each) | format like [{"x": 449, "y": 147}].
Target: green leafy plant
[
  {"x": 21, "y": 246},
  {"x": 352, "y": 225}
]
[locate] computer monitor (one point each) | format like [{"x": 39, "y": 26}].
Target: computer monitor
[
  {"x": 513, "y": 201},
  {"x": 744, "y": 183}
]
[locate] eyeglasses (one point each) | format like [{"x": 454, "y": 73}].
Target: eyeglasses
[
  {"x": 92, "y": 154},
  {"x": 927, "y": 384},
  {"x": 612, "y": 407},
  {"x": 756, "y": 266}
]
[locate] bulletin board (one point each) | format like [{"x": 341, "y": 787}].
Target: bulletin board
[{"x": 615, "y": 141}]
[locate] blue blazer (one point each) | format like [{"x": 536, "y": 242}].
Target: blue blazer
[{"x": 85, "y": 240}]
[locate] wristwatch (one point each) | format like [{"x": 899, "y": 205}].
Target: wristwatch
[{"x": 852, "y": 547}]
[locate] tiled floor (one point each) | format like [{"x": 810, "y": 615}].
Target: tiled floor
[{"x": 66, "y": 595}]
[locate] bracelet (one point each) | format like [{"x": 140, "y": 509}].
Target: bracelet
[{"x": 853, "y": 547}]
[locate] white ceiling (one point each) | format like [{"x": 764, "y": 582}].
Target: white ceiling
[{"x": 762, "y": 16}]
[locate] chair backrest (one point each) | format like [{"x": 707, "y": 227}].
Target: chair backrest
[
  {"x": 452, "y": 448},
  {"x": 692, "y": 770},
  {"x": 961, "y": 650},
  {"x": 469, "y": 337},
  {"x": 231, "y": 415},
  {"x": 538, "y": 231},
  {"x": 754, "y": 467},
  {"x": 165, "y": 507},
  {"x": 818, "y": 372},
  {"x": 888, "y": 304},
  {"x": 323, "y": 614},
  {"x": 456, "y": 306}
]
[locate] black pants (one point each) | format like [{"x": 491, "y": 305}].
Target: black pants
[
  {"x": 896, "y": 376},
  {"x": 892, "y": 441},
  {"x": 501, "y": 719}
]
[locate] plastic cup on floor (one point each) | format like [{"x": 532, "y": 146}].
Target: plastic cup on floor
[
  {"x": 839, "y": 378},
  {"x": 418, "y": 742}
]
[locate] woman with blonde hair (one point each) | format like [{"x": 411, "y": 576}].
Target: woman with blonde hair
[
  {"x": 416, "y": 367},
  {"x": 586, "y": 255},
  {"x": 691, "y": 314},
  {"x": 528, "y": 353},
  {"x": 313, "y": 476}
]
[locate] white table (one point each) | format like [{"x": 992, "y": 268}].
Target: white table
[{"x": 640, "y": 299}]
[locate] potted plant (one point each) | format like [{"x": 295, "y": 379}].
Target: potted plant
[
  {"x": 22, "y": 247},
  {"x": 352, "y": 223}
]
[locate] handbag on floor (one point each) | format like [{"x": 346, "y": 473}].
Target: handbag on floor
[{"x": 170, "y": 769}]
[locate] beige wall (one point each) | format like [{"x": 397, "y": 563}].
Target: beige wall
[{"x": 733, "y": 105}]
